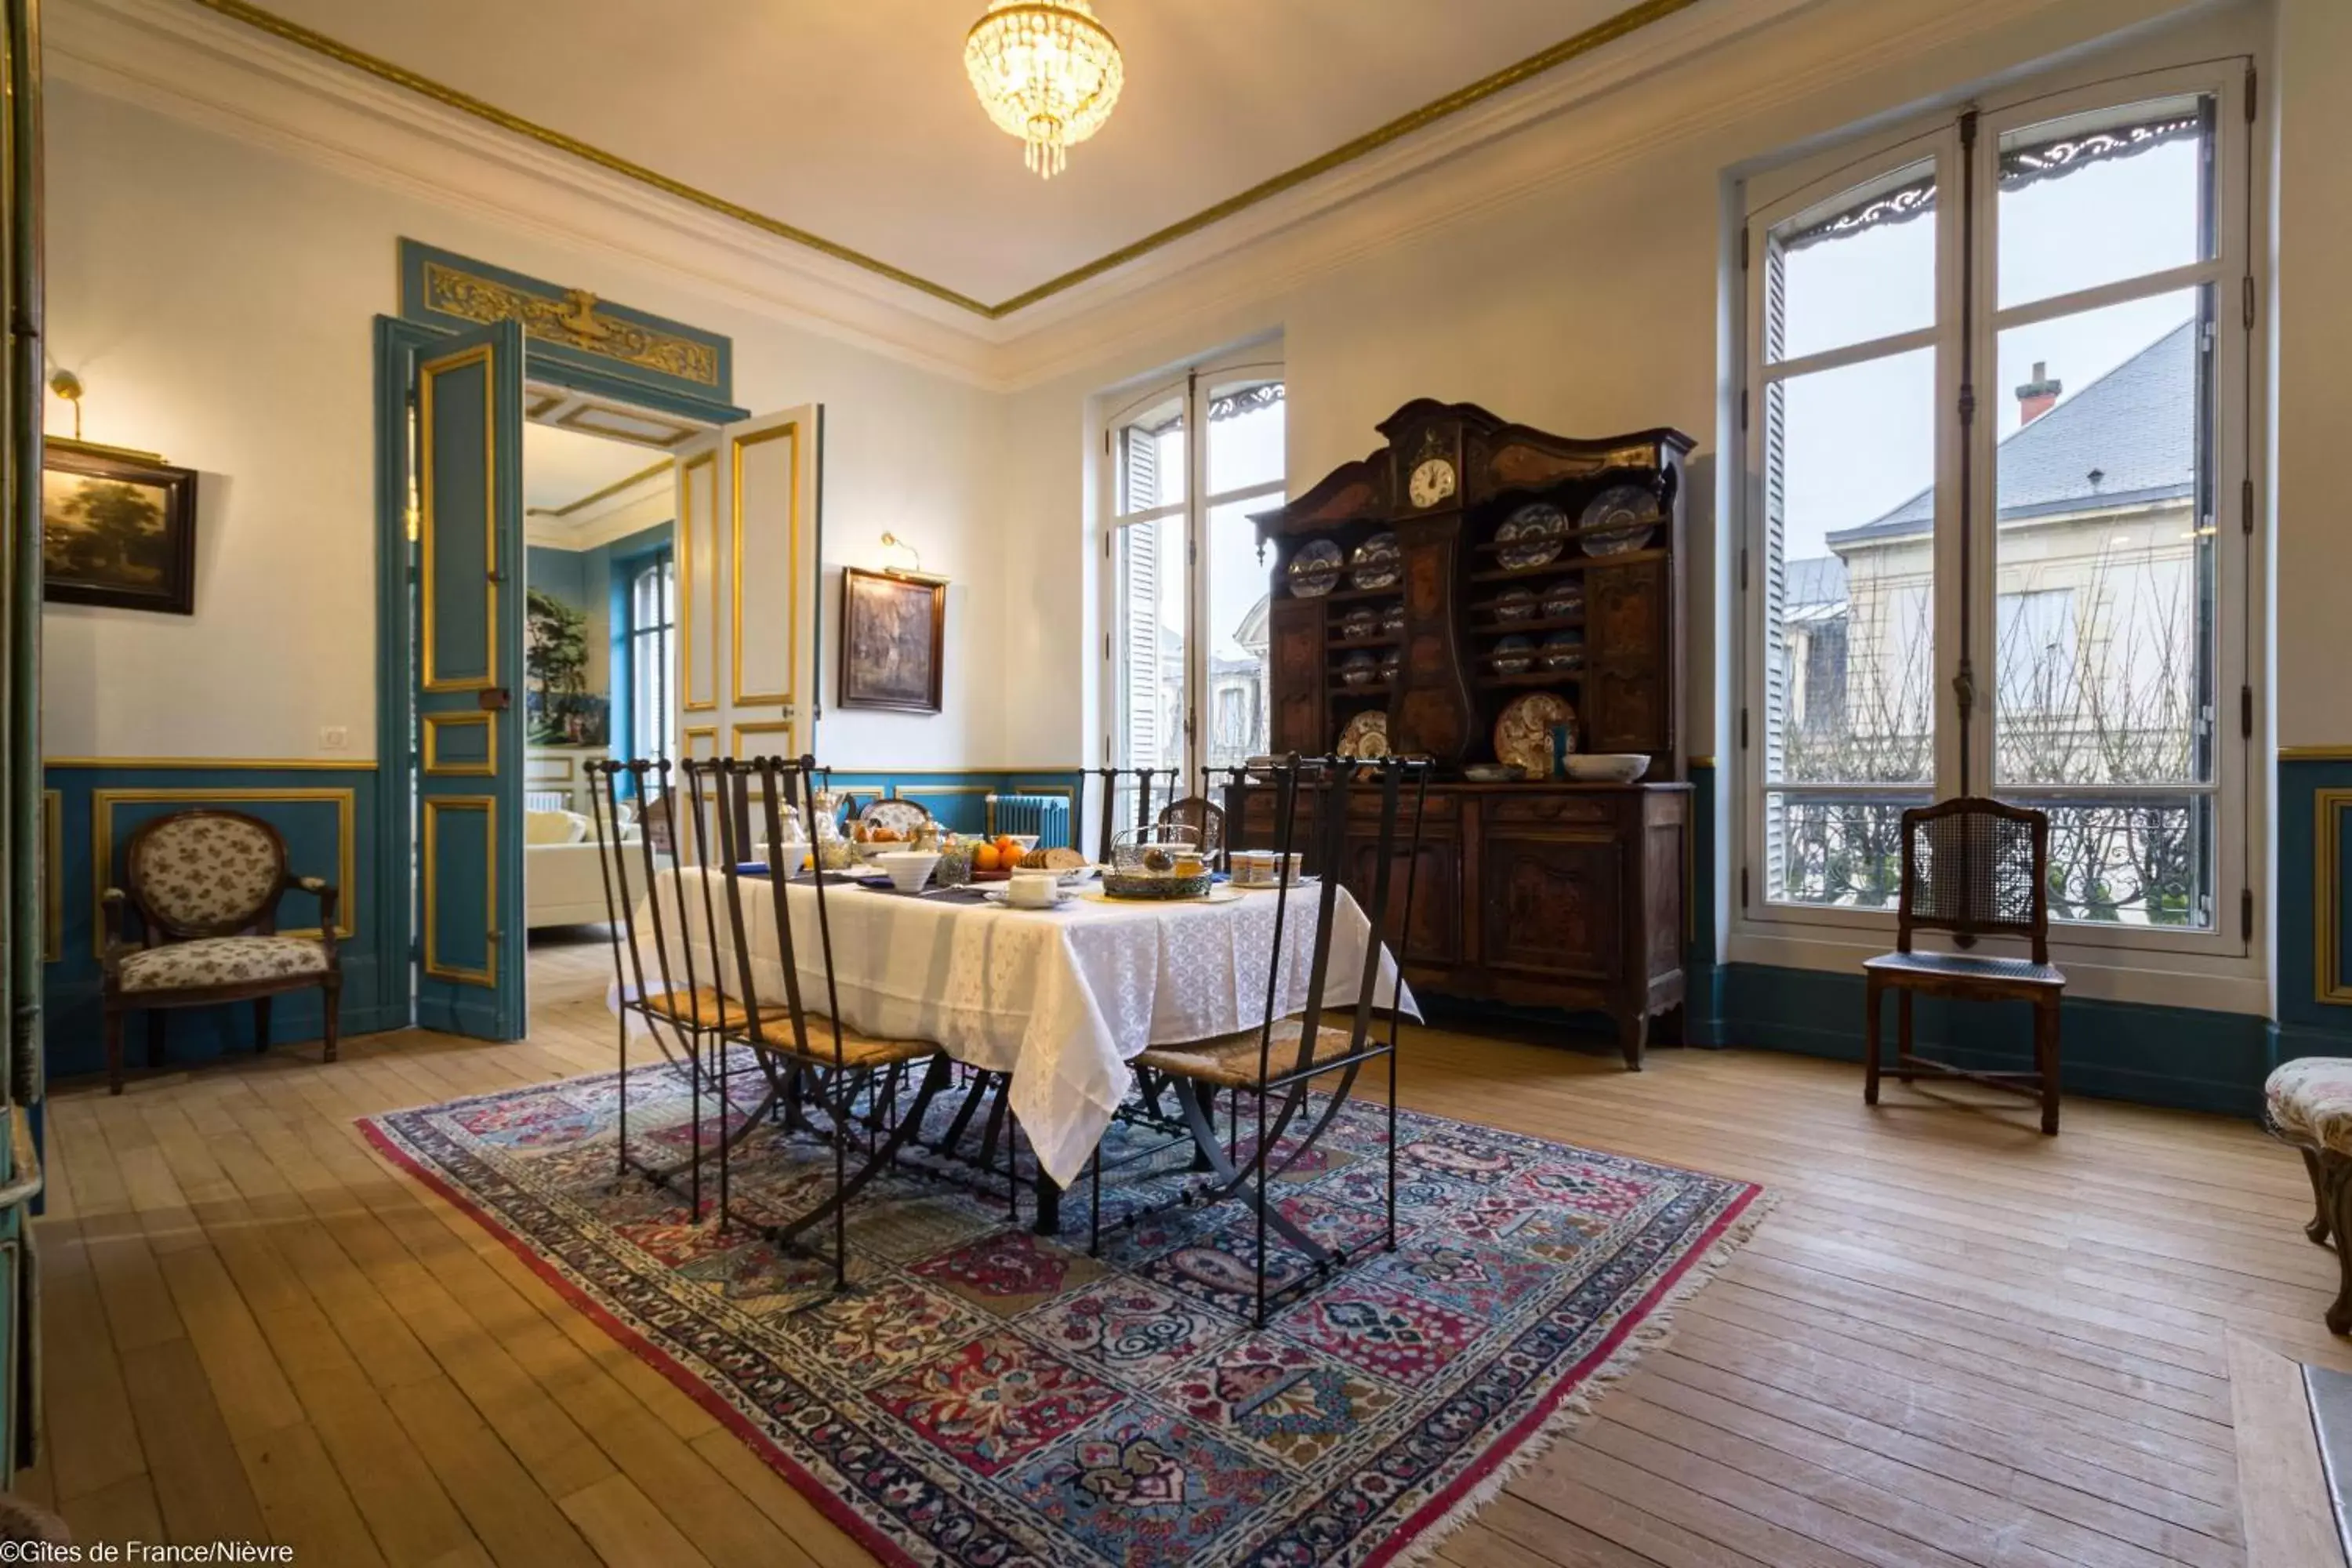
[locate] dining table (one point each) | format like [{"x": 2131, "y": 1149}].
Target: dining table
[{"x": 1060, "y": 1000}]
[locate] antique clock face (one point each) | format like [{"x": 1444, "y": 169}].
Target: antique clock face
[{"x": 1432, "y": 482}]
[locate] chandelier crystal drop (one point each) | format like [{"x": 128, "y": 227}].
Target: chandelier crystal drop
[{"x": 1047, "y": 72}]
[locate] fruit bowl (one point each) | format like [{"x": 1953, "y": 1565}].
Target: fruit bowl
[{"x": 1607, "y": 767}]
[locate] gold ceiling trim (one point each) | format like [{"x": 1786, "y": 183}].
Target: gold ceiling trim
[
  {"x": 615, "y": 487},
  {"x": 1622, "y": 25}
]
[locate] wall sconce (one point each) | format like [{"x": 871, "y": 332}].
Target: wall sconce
[{"x": 916, "y": 574}]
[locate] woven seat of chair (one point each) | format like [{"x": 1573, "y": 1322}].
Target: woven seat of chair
[
  {"x": 1233, "y": 1060},
  {"x": 704, "y": 1008},
  {"x": 1964, "y": 966},
  {"x": 857, "y": 1050}
]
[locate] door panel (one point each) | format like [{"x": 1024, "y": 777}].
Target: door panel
[
  {"x": 469, "y": 776},
  {"x": 746, "y": 499},
  {"x": 1437, "y": 896}
]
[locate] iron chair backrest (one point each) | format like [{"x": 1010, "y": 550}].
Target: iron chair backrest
[
  {"x": 1107, "y": 822},
  {"x": 1333, "y": 781},
  {"x": 665, "y": 924},
  {"x": 761, "y": 790},
  {"x": 1976, "y": 867}
]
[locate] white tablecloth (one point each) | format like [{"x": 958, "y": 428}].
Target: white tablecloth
[{"x": 1060, "y": 999}]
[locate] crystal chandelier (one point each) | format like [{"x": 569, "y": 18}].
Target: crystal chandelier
[{"x": 1047, "y": 72}]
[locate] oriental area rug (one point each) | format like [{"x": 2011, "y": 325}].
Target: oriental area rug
[{"x": 987, "y": 1397}]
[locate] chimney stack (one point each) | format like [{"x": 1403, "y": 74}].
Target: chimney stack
[{"x": 2036, "y": 396}]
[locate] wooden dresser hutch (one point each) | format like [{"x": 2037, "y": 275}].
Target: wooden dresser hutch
[{"x": 1543, "y": 893}]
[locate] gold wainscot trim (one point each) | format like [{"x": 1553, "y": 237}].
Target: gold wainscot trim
[
  {"x": 276, "y": 765},
  {"x": 573, "y": 321},
  {"x": 2315, "y": 753},
  {"x": 433, "y": 805},
  {"x": 1622, "y": 25},
  {"x": 736, "y": 446},
  {"x": 533, "y": 770},
  {"x": 53, "y": 876},
  {"x": 694, "y": 733},
  {"x": 427, "y": 374},
  {"x": 434, "y": 723},
  {"x": 102, "y": 803},
  {"x": 1701, "y": 761},
  {"x": 2329, "y": 809}
]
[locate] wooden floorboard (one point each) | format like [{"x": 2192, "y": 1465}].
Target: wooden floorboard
[{"x": 1954, "y": 1343}]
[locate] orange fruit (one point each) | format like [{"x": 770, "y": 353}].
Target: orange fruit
[{"x": 985, "y": 857}]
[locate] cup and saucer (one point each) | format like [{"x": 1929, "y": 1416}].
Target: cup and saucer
[{"x": 1031, "y": 890}]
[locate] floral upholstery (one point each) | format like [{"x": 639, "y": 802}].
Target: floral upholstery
[
  {"x": 221, "y": 960},
  {"x": 202, "y": 870},
  {"x": 2309, "y": 1100}
]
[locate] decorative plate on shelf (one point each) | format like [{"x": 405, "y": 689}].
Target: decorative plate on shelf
[
  {"x": 1562, "y": 651},
  {"x": 1530, "y": 537},
  {"x": 1518, "y": 604},
  {"x": 1392, "y": 620},
  {"x": 1359, "y": 668},
  {"x": 1619, "y": 519},
  {"x": 1378, "y": 564},
  {"x": 1391, "y": 662},
  {"x": 1365, "y": 736},
  {"x": 1361, "y": 623},
  {"x": 1514, "y": 655},
  {"x": 1523, "y": 730},
  {"x": 1315, "y": 571},
  {"x": 1563, "y": 599}
]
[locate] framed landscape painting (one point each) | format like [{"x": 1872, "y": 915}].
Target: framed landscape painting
[
  {"x": 892, "y": 628},
  {"x": 117, "y": 530}
]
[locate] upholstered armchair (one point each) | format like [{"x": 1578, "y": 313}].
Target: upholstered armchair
[{"x": 206, "y": 885}]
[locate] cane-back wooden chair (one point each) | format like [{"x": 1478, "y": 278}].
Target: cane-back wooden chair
[{"x": 1976, "y": 868}]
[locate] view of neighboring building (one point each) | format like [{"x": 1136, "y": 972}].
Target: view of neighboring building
[{"x": 2098, "y": 673}]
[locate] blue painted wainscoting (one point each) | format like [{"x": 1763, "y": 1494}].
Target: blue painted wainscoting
[
  {"x": 328, "y": 817},
  {"x": 960, "y": 800},
  {"x": 2314, "y": 903}
]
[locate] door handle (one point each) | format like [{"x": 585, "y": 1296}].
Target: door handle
[{"x": 494, "y": 700}]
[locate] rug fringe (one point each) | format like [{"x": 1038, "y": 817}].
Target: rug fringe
[{"x": 1655, "y": 1328}]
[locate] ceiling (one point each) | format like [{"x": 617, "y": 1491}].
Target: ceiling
[
  {"x": 854, "y": 124},
  {"x": 562, "y": 469}
]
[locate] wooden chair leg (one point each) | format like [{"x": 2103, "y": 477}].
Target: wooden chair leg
[
  {"x": 1872, "y": 994},
  {"x": 261, "y": 1024},
  {"x": 334, "y": 989},
  {"x": 113, "y": 1029},
  {"x": 2334, "y": 1170},
  {"x": 2317, "y": 1230},
  {"x": 1904, "y": 1041},
  {"x": 155, "y": 1037},
  {"x": 2045, "y": 1060}
]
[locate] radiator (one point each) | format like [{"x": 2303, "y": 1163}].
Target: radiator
[
  {"x": 546, "y": 800},
  {"x": 1047, "y": 815}
]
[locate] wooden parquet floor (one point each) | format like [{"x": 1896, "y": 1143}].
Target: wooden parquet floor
[{"x": 1955, "y": 1341}]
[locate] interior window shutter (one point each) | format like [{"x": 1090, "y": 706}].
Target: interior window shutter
[
  {"x": 1141, "y": 608},
  {"x": 1772, "y": 740}
]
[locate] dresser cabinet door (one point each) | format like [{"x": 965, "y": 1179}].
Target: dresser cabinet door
[
  {"x": 1553, "y": 905},
  {"x": 1436, "y": 871},
  {"x": 1628, "y": 705},
  {"x": 1294, "y": 660}
]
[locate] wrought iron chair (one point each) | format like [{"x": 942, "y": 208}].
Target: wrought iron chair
[
  {"x": 206, "y": 885},
  {"x": 1274, "y": 1063},
  {"x": 675, "y": 998},
  {"x": 829, "y": 1065},
  {"x": 1975, "y": 867},
  {"x": 1107, "y": 819},
  {"x": 1204, "y": 817}
]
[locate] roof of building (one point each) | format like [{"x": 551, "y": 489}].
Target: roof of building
[{"x": 2135, "y": 427}]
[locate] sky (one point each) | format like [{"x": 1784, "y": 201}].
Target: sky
[{"x": 1861, "y": 439}]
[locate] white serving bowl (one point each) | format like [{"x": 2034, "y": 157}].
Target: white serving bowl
[
  {"x": 908, "y": 869},
  {"x": 1607, "y": 767}
]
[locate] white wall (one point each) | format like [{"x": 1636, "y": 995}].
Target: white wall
[{"x": 216, "y": 301}]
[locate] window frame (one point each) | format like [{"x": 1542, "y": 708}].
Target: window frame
[
  {"x": 1763, "y": 930},
  {"x": 661, "y": 559},
  {"x": 1192, "y": 389}
]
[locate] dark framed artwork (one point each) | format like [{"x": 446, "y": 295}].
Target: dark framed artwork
[
  {"x": 893, "y": 632},
  {"x": 117, "y": 528}
]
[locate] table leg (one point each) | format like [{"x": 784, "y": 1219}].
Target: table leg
[{"x": 1049, "y": 1205}]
